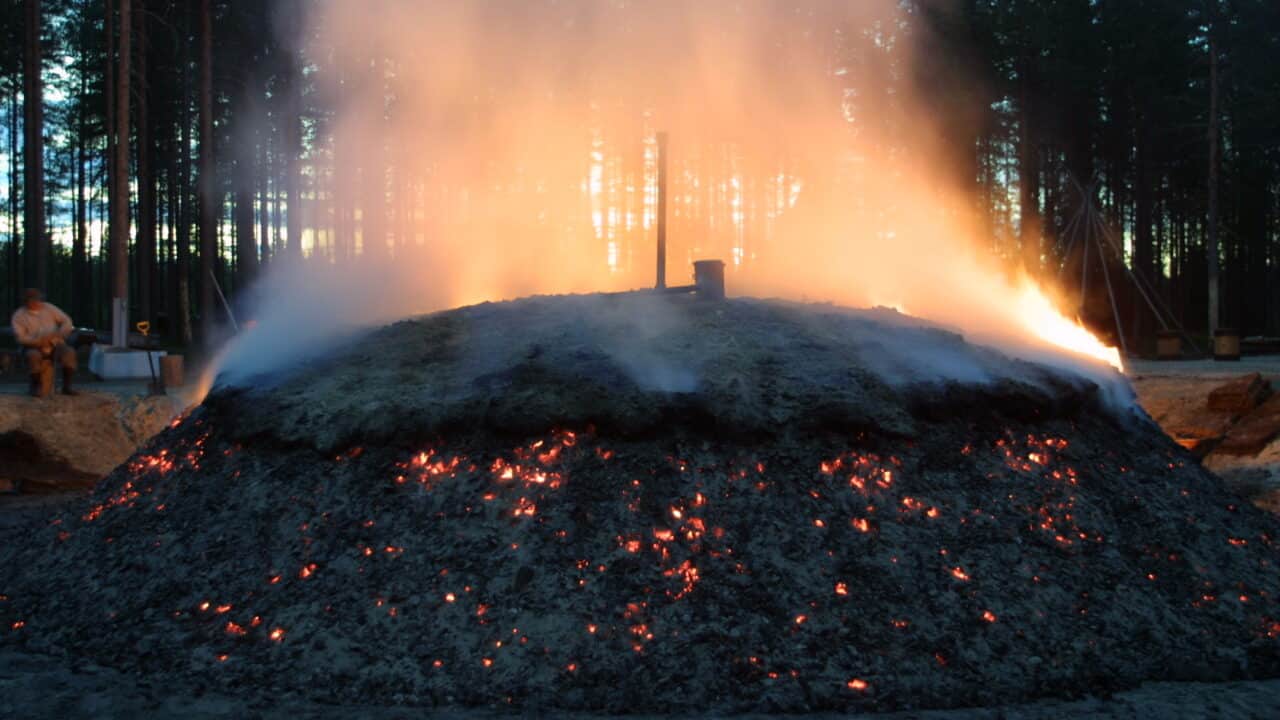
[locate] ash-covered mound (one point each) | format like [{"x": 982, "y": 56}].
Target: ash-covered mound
[{"x": 720, "y": 506}]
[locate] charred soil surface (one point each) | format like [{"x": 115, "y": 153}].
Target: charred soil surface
[{"x": 502, "y": 506}]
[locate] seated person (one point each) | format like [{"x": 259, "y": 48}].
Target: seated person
[{"x": 42, "y": 330}]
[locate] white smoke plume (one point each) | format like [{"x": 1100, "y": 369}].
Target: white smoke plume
[{"x": 515, "y": 139}]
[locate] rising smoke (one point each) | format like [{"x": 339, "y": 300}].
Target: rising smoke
[{"x": 491, "y": 149}]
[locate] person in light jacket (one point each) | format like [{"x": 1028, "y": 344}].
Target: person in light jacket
[{"x": 42, "y": 330}]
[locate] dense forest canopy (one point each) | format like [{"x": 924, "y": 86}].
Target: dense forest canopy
[{"x": 153, "y": 148}]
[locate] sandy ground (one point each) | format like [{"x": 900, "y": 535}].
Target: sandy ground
[{"x": 1267, "y": 365}]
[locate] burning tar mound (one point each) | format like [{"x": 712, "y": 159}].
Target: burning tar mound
[{"x": 643, "y": 503}]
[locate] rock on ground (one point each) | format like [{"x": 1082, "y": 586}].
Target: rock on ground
[
  {"x": 62, "y": 441},
  {"x": 1240, "y": 445}
]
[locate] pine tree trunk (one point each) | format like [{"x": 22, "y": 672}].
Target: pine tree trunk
[
  {"x": 264, "y": 214},
  {"x": 1144, "y": 241},
  {"x": 120, "y": 223},
  {"x": 109, "y": 93},
  {"x": 145, "y": 251},
  {"x": 293, "y": 152},
  {"x": 1029, "y": 224},
  {"x": 173, "y": 211},
  {"x": 183, "y": 261},
  {"x": 15, "y": 258},
  {"x": 80, "y": 295},
  {"x": 1211, "y": 246},
  {"x": 209, "y": 196},
  {"x": 35, "y": 241},
  {"x": 246, "y": 246},
  {"x": 245, "y": 179}
]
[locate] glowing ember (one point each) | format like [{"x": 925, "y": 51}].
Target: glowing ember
[
  {"x": 688, "y": 573},
  {"x": 662, "y": 536}
]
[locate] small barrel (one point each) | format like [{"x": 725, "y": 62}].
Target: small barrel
[
  {"x": 1226, "y": 344},
  {"x": 708, "y": 279},
  {"x": 171, "y": 374},
  {"x": 1168, "y": 345}
]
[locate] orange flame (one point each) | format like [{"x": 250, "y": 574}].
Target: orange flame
[{"x": 1039, "y": 316}]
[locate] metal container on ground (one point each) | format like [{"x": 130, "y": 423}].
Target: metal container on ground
[
  {"x": 1168, "y": 345},
  {"x": 171, "y": 372},
  {"x": 1226, "y": 344}
]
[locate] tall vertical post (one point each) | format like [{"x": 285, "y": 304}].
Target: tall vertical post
[{"x": 662, "y": 210}]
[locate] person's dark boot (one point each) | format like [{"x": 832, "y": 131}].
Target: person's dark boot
[
  {"x": 35, "y": 385},
  {"x": 66, "y": 382}
]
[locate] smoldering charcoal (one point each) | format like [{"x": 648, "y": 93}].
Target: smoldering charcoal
[{"x": 563, "y": 503}]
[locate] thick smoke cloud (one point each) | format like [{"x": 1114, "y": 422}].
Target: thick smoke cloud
[{"x": 481, "y": 119}]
